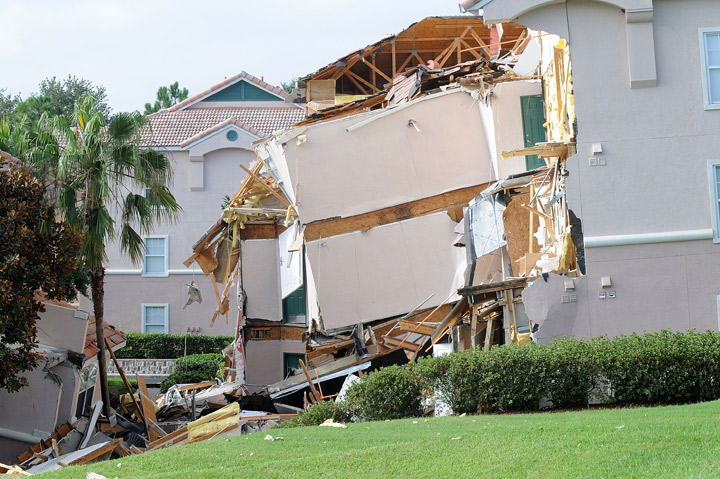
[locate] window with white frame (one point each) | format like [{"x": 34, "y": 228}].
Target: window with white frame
[
  {"x": 156, "y": 256},
  {"x": 155, "y": 318},
  {"x": 710, "y": 59},
  {"x": 714, "y": 180}
]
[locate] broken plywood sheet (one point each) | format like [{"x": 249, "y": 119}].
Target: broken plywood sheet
[
  {"x": 517, "y": 230},
  {"x": 342, "y": 173},
  {"x": 386, "y": 271}
]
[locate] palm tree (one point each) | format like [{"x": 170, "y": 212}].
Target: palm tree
[{"x": 100, "y": 167}]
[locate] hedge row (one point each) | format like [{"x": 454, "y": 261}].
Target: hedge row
[
  {"x": 170, "y": 346},
  {"x": 194, "y": 369},
  {"x": 654, "y": 368}
]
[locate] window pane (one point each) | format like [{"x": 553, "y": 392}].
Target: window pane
[
  {"x": 155, "y": 264},
  {"x": 714, "y": 85},
  {"x": 155, "y": 245},
  {"x": 712, "y": 41},
  {"x": 154, "y": 329},
  {"x": 155, "y": 314}
]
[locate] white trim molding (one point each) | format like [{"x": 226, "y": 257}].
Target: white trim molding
[
  {"x": 164, "y": 274},
  {"x": 648, "y": 238},
  {"x": 165, "y": 306},
  {"x": 171, "y": 272}
]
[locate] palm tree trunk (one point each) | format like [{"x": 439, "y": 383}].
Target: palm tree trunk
[{"x": 97, "y": 286}]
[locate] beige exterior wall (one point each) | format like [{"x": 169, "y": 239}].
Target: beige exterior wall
[
  {"x": 656, "y": 142},
  {"x": 126, "y": 290},
  {"x": 264, "y": 360}
]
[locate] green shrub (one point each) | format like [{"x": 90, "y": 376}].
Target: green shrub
[
  {"x": 170, "y": 346},
  {"x": 193, "y": 369},
  {"x": 116, "y": 388},
  {"x": 389, "y": 393},
  {"x": 319, "y": 413},
  {"x": 654, "y": 368}
]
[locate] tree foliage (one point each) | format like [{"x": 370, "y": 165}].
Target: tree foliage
[
  {"x": 54, "y": 97},
  {"x": 100, "y": 167},
  {"x": 289, "y": 85},
  {"x": 167, "y": 96},
  {"x": 36, "y": 253}
]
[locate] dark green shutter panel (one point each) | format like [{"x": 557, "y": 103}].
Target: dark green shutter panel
[
  {"x": 294, "y": 304},
  {"x": 533, "y": 118},
  {"x": 291, "y": 361}
]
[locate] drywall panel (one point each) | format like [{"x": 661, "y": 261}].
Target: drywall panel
[{"x": 385, "y": 271}]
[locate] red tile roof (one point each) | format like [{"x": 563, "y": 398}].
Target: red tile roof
[
  {"x": 171, "y": 128},
  {"x": 114, "y": 336},
  {"x": 220, "y": 126},
  {"x": 253, "y": 79}
]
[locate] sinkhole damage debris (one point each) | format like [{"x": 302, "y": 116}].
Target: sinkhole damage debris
[{"x": 185, "y": 414}]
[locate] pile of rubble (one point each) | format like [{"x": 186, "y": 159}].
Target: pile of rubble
[{"x": 185, "y": 414}]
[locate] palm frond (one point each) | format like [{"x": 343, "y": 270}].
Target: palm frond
[{"x": 132, "y": 243}]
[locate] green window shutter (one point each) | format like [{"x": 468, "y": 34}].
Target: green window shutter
[
  {"x": 291, "y": 361},
  {"x": 295, "y": 307},
  {"x": 533, "y": 119}
]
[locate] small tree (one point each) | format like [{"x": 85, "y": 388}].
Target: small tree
[
  {"x": 167, "y": 96},
  {"x": 36, "y": 254},
  {"x": 100, "y": 167}
]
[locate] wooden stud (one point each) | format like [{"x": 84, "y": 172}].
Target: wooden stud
[
  {"x": 148, "y": 408},
  {"x": 125, "y": 380},
  {"x": 314, "y": 393}
]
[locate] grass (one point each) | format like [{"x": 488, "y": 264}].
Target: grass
[{"x": 672, "y": 442}]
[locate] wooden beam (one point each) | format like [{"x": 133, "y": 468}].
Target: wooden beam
[
  {"x": 352, "y": 74},
  {"x": 314, "y": 392},
  {"x": 376, "y": 70},
  {"x": 452, "y": 201},
  {"x": 411, "y": 326},
  {"x": 258, "y": 179},
  {"x": 124, "y": 380},
  {"x": 395, "y": 342},
  {"x": 489, "y": 334},
  {"x": 148, "y": 407},
  {"x": 394, "y": 63}
]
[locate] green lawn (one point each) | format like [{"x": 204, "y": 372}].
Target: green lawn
[{"x": 673, "y": 442}]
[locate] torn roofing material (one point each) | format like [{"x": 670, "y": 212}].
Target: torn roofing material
[{"x": 441, "y": 40}]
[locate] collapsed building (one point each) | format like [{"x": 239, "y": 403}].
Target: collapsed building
[{"x": 410, "y": 207}]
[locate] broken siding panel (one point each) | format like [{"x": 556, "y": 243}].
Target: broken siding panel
[
  {"x": 291, "y": 264},
  {"x": 385, "y": 271},
  {"x": 387, "y": 162}
]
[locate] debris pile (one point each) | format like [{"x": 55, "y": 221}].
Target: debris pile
[{"x": 185, "y": 414}]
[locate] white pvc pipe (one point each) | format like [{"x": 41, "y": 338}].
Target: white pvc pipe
[
  {"x": 648, "y": 238},
  {"x": 18, "y": 436}
]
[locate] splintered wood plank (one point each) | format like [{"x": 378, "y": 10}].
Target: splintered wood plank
[
  {"x": 124, "y": 380},
  {"x": 97, "y": 452},
  {"x": 450, "y": 201},
  {"x": 395, "y": 342},
  {"x": 411, "y": 326},
  {"x": 148, "y": 409}
]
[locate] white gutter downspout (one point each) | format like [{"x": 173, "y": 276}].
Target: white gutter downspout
[
  {"x": 648, "y": 238},
  {"x": 18, "y": 436}
]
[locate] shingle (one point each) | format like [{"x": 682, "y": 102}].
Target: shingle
[{"x": 170, "y": 128}]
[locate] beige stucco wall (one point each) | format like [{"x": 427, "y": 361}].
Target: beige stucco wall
[
  {"x": 62, "y": 327},
  {"x": 34, "y": 407},
  {"x": 264, "y": 360},
  {"x": 656, "y": 142},
  {"x": 386, "y": 162},
  {"x": 126, "y": 292},
  {"x": 385, "y": 271}
]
